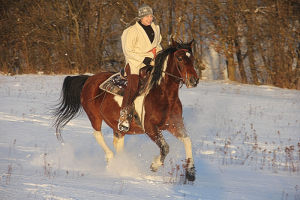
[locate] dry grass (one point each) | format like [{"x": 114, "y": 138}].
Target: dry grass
[{"x": 245, "y": 147}]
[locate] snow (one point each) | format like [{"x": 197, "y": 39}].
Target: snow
[{"x": 246, "y": 145}]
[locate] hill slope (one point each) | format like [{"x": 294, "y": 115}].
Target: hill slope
[{"x": 246, "y": 144}]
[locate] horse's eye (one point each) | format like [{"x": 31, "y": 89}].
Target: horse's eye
[{"x": 179, "y": 58}]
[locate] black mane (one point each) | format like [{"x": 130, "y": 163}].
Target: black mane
[{"x": 161, "y": 57}]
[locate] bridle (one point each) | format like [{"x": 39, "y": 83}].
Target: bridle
[{"x": 181, "y": 80}]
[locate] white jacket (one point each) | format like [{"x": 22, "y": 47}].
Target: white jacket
[{"x": 136, "y": 45}]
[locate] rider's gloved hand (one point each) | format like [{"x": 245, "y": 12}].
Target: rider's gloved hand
[{"x": 147, "y": 60}]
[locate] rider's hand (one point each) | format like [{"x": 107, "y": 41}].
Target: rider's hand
[{"x": 147, "y": 60}]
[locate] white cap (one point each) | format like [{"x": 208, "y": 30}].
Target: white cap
[{"x": 144, "y": 10}]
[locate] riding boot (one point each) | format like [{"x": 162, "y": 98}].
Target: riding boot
[{"x": 128, "y": 98}]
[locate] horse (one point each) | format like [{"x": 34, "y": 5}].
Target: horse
[{"x": 162, "y": 107}]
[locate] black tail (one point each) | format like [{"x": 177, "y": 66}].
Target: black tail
[{"x": 69, "y": 106}]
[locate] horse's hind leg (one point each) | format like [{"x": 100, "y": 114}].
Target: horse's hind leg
[
  {"x": 118, "y": 142},
  {"x": 108, "y": 153},
  {"x": 158, "y": 138},
  {"x": 92, "y": 101},
  {"x": 96, "y": 122}
]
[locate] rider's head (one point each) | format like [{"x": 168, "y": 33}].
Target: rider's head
[{"x": 145, "y": 14}]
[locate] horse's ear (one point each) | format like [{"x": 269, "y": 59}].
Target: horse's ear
[
  {"x": 173, "y": 42},
  {"x": 191, "y": 42}
]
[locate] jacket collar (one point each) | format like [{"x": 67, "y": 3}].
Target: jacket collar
[{"x": 141, "y": 29}]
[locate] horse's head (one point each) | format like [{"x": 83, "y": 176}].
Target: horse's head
[
  {"x": 180, "y": 67},
  {"x": 184, "y": 60}
]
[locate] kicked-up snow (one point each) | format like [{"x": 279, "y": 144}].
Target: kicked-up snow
[{"x": 246, "y": 145}]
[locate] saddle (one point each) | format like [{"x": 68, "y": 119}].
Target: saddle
[{"x": 117, "y": 83}]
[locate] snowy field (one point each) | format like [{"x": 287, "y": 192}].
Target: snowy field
[{"x": 246, "y": 143}]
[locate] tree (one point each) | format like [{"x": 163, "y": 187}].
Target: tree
[{"x": 258, "y": 39}]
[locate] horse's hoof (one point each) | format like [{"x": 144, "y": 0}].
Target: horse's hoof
[
  {"x": 156, "y": 164},
  {"x": 190, "y": 174},
  {"x": 109, "y": 156},
  {"x": 154, "y": 167}
]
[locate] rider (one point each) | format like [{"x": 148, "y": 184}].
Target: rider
[{"x": 140, "y": 42}]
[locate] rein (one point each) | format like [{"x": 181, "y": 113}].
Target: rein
[{"x": 177, "y": 77}]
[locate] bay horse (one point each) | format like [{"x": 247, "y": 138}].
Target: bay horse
[{"x": 163, "y": 109}]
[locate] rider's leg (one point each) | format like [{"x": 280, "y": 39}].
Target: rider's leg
[
  {"x": 128, "y": 98},
  {"x": 131, "y": 90}
]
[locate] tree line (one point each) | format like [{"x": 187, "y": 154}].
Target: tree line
[{"x": 259, "y": 40}]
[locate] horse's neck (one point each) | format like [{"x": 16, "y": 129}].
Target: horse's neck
[{"x": 169, "y": 83}]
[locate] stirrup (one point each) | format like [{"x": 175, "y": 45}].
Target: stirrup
[{"x": 124, "y": 124}]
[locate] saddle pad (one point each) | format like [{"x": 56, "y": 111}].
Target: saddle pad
[{"x": 114, "y": 85}]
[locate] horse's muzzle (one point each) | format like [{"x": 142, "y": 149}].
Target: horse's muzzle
[{"x": 192, "y": 82}]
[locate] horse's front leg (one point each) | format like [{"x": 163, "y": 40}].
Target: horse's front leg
[
  {"x": 178, "y": 130},
  {"x": 190, "y": 166},
  {"x": 158, "y": 138}
]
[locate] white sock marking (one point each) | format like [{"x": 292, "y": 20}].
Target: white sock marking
[{"x": 108, "y": 153}]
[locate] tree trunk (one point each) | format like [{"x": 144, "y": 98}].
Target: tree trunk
[
  {"x": 230, "y": 62},
  {"x": 250, "y": 49},
  {"x": 240, "y": 61}
]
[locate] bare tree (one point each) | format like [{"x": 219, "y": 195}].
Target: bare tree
[{"x": 259, "y": 39}]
